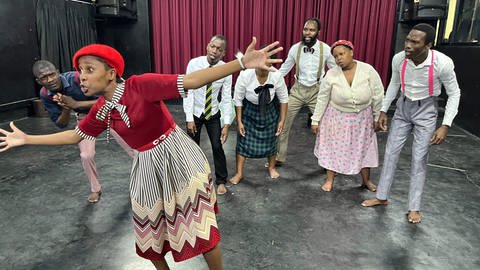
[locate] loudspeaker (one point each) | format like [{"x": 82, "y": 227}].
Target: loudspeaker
[
  {"x": 117, "y": 8},
  {"x": 429, "y": 9}
]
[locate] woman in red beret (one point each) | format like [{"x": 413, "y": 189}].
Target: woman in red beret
[
  {"x": 171, "y": 189},
  {"x": 346, "y": 116}
]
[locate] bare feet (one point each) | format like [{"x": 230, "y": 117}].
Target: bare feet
[
  {"x": 369, "y": 185},
  {"x": 374, "y": 202},
  {"x": 273, "y": 173},
  {"x": 94, "y": 197},
  {"x": 327, "y": 186},
  {"x": 236, "y": 179},
  {"x": 221, "y": 189},
  {"x": 278, "y": 163},
  {"x": 414, "y": 217}
]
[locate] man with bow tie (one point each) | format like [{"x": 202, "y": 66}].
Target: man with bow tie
[
  {"x": 310, "y": 57},
  {"x": 61, "y": 94}
]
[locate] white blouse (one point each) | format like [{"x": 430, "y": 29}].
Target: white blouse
[
  {"x": 247, "y": 82},
  {"x": 366, "y": 90}
]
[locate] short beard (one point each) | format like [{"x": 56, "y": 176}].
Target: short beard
[{"x": 311, "y": 43}]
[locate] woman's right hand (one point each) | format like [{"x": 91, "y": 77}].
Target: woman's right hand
[
  {"x": 12, "y": 139},
  {"x": 241, "y": 128},
  {"x": 314, "y": 129}
]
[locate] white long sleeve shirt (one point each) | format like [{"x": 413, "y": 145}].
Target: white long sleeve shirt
[
  {"x": 247, "y": 82},
  {"x": 308, "y": 63},
  {"x": 416, "y": 82},
  {"x": 366, "y": 90},
  {"x": 194, "y": 103}
]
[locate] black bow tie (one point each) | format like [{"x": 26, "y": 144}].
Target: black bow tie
[
  {"x": 263, "y": 97},
  {"x": 308, "y": 50}
]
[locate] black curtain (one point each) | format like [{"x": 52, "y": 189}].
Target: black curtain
[{"x": 63, "y": 27}]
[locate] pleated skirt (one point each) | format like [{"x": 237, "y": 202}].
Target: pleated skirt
[
  {"x": 260, "y": 140},
  {"x": 173, "y": 200}
]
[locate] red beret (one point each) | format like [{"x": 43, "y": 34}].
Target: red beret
[
  {"x": 107, "y": 53},
  {"x": 341, "y": 42}
]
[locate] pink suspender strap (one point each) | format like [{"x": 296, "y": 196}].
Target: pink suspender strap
[
  {"x": 430, "y": 76},
  {"x": 402, "y": 77}
]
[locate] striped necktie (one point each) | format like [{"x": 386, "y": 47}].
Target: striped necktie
[{"x": 208, "y": 101}]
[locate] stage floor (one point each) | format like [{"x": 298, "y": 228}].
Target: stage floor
[{"x": 47, "y": 223}]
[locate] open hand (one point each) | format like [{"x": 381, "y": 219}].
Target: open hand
[
  {"x": 261, "y": 58},
  {"x": 11, "y": 139}
]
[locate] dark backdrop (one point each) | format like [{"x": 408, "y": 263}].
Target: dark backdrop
[{"x": 18, "y": 50}]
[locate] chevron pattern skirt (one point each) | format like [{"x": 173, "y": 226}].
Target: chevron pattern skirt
[{"x": 173, "y": 200}]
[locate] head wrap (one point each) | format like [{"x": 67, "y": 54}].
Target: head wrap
[
  {"x": 342, "y": 42},
  {"x": 111, "y": 56}
]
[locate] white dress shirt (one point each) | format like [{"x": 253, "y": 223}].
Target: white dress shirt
[
  {"x": 416, "y": 82},
  {"x": 366, "y": 90},
  {"x": 309, "y": 62},
  {"x": 194, "y": 103},
  {"x": 247, "y": 82}
]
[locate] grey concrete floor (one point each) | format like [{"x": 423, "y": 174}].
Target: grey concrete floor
[{"x": 46, "y": 222}]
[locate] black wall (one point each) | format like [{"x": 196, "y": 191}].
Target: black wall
[
  {"x": 468, "y": 77},
  {"x": 130, "y": 37},
  {"x": 18, "y": 51}
]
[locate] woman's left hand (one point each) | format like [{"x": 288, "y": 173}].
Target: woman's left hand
[
  {"x": 261, "y": 58},
  {"x": 12, "y": 139},
  {"x": 314, "y": 129}
]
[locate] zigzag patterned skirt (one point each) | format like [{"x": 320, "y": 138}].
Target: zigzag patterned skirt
[{"x": 173, "y": 200}]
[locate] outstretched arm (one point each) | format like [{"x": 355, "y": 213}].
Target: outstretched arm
[
  {"x": 17, "y": 138},
  {"x": 252, "y": 59}
]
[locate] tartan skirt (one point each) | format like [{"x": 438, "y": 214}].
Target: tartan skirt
[
  {"x": 173, "y": 200},
  {"x": 260, "y": 140}
]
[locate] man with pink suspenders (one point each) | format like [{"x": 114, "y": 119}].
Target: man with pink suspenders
[
  {"x": 420, "y": 73},
  {"x": 60, "y": 95}
]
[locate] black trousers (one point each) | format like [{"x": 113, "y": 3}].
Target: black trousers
[{"x": 214, "y": 131}]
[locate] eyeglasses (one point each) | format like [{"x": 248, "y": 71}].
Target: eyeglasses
[{"x": 45, "y": 77}]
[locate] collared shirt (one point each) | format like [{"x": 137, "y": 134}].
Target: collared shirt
[
  {"x": 416, "y": 82},
  {"x": 194, "y": 103},
  {"x": 71, "y": 87},
  {"x": 247, "y": 82},
  {"x": 308, "y": 63},
  {"x": 366, "y": 90}
]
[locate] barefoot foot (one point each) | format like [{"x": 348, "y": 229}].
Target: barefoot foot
[
  {"x": 414, "y": 217},
  {"x": 374, "y": 202},
  {"x": 369, "y": 185},
  {"x": 273, "y": 173},
  {"x": 221, "y": 189},
  {"x": 327, "y": 186},
  {"x": 236, "y": 179},
  {"x": 94, "y": 197}
]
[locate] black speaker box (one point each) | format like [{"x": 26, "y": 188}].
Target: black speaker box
[
  {"x": 117, "y": 8},
  {"x": 429, "y": 9}
]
